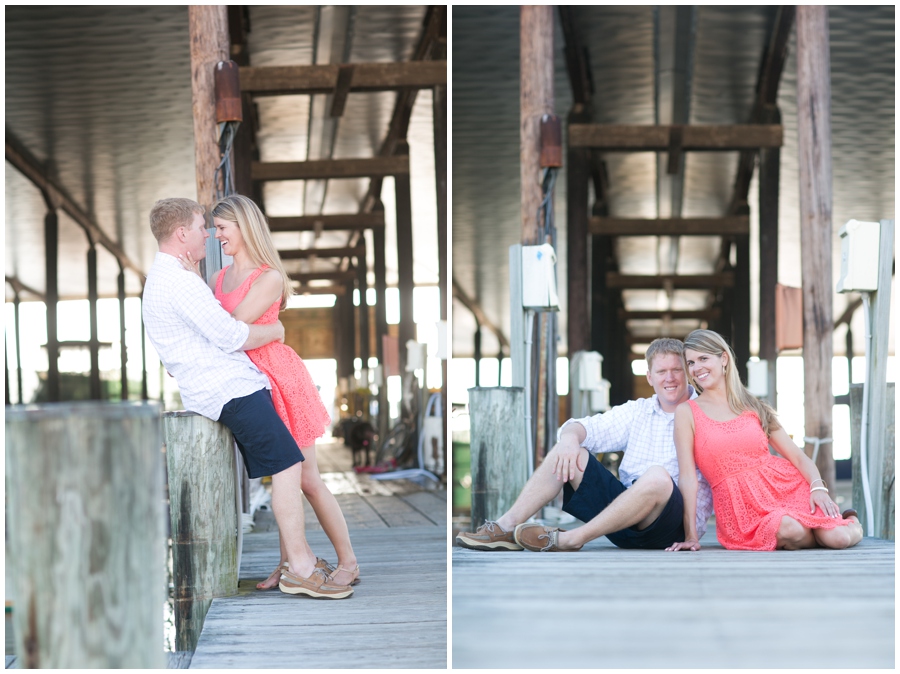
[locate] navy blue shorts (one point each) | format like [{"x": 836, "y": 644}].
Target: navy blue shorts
[
  {"x": 265, "y": 442},
  {"x": 597, "y": 490}
]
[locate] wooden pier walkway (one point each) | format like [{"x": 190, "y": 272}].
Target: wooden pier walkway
[
  {"x": 397, "y": 616},
  {"x": 603, "y": 607}
]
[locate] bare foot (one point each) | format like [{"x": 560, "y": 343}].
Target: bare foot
[{"x": 271, "y": 581}]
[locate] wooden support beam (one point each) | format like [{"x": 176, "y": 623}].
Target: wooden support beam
[
  {"x": 362, "y": 285},
  {"x": 405, "y": 257},
  {"x": 683, "y": 282},
  {"x": 769, "y": 177},
  {"x": 19, "y": 287},
  {"x": 578, "y": 175},
  {"x": 358, "y": 252},
  {"x": 51, "y": 269},
  {"x": 327, "y": 223},
  {"x": 331, "y": 168},
  {"x": 123, "y": 351},
  {"x": 649, "y": 138},
  {"x": 22, "y": 159},
  {"x": 728, "y": 226},
  {"x": 348, "y": 275},
  {"x": 740, "y": 335},
  {"x": 94, "y": 344},
  {"x": 814, "y": 143},
  {"x": 675, "y": 315},
  {"x": 381, "y": 329},
  {"x": 326, "y": 79},
  {"x": 341, "y": 89},
  {"x": 209, "y": 44}
]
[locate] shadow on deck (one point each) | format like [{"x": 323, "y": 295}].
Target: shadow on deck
[{"x": 604, "y": 607}]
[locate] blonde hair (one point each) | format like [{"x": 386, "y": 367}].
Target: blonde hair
[
  {"x": 167, "y": 215},
  {"x": 663, "y": 346},
  {"x": 257, "y": 237},
  {"x": 738, "y": 397}
]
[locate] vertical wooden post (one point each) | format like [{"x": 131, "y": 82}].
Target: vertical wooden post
[
  {"x": 499, "y": 466},
  {"x": 405, "y": 279},
  {"x": 51, "y": 264},
  {"x": 201, "y": 468},
  {"x": 816, "y": 239},
  {"x": 123, "y": 352},
  {"x": 18, "y": 347},
  {"x": 86, "y": 535},
  {"x": 92, "y": 307},
  {"x": 380, "y": 320},
  {"x": 208, "y": 28},
  {"x": 440, "y": 167},
  {"x": 577, "y": 218},
  {"x": 535, "y": 100},
  {"x": 769, "y": 177},
  {"x": 740, "y": 340},
  {"x": 144, "y": 393},
  {"x": 364, "y": 330}
]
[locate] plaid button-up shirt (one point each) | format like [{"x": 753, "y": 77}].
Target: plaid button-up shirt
[
  {"x": 645, "y": 434},
  {"x": 196, "y": 339}
]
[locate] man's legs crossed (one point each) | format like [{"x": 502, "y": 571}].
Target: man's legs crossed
[
  {"x": 639, "y": 507},
  {"x": 542, "y": 487}
]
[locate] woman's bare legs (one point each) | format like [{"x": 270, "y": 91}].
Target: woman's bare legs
[
  {"x": 840, "y": 537},
  {"x": 329, "y": 514},
  {"x": 794, "y": 536}
]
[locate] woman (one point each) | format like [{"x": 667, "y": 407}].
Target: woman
[
  {"x": 761, "y": 501},
  {"x": 254, "y": 289}
]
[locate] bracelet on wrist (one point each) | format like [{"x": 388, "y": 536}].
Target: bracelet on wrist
[{"x": 818, "y": 489}]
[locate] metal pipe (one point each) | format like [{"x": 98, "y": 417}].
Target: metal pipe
[
  {"x": 92, "y": 305},
  {"x": 123, "y": 352},
  {"x": 51, "y": 254}
]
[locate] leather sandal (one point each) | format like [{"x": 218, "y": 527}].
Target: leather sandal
[
  {"x": 324, "y": 565},
  {"x": 354, "y": 571},
  {"x": 280, "y": 569}
]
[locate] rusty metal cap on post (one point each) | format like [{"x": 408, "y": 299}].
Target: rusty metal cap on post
[
  {"x": 228, "y": 92},
  {"x": 551, "y": 142}
]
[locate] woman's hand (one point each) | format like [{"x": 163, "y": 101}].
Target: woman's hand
[
  {"x": 821, "y": 499},
  {"x": 690, "y": 544},
  {"x": 189, "y": 264}
]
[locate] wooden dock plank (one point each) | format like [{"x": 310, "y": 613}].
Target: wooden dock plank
[
  {"x": 651, "y": 609},
  {"x": 397, "y": 616},
  {"x": 429, "y": 504}
]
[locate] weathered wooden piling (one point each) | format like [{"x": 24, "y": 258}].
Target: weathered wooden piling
[
  {"x": 201, "y": 472},
  {"x": 881, "y": 465},
  {"x": 86, "y": 534},
  {"x": 499, "y": 452}
]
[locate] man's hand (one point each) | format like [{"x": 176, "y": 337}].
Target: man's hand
[
  {"x": 567, "y": 452},
  {"x": 691, "y": 544}
]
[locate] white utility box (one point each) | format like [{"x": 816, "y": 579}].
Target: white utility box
[
  {"x": 758, "y": 377},
  {"x": 859, "y": 256},
  {"x": 539, "y": 278}
]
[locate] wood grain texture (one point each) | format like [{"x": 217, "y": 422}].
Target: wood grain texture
[
  {"x": 499, "y": 456},
  {"x": 816, "y": 236},
  {"x": 612, "y": 608},
  {"x": 646, "y": 138},
  {"x": 397, "y": 616},
  {"x": 200, "y": 460},
  {"x": 324, "y": 79},
  {"x": 86, "y": 534}
]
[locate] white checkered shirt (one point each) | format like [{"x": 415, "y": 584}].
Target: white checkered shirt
[
  {"x": 196, "y": 339},
  {"x": 645, "y": 434}
]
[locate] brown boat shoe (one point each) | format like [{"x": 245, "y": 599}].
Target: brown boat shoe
[
  {"x": 537, "y": 537},
  {"x": 489, "y": 537},
  {"x": 316, "y": 585}
]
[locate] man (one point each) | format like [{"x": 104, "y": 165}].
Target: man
[
  {"x": 202, "y": 346},
  {"x": 644, "y": 509}
]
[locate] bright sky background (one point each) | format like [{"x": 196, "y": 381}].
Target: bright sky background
[{"x": 73, "y": 324}]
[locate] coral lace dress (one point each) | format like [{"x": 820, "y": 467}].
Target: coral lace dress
[
  {"x": 752, "y": 489},
  {"x": 294, "y": 393}
]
